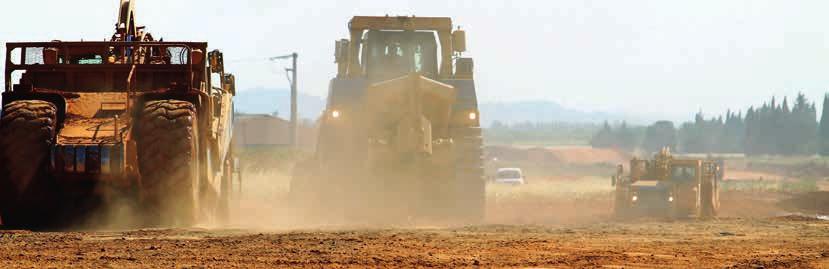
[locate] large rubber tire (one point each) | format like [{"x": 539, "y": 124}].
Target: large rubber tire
[
  {"x": 27, "y": 133},
  {"x": 470, "y": 187},
  {"x": 168, "y": 162}
]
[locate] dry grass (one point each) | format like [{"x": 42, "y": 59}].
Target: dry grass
[
  {"x": 550, "y": 202},
  {"x": 553, "y": 189},
  {"x": 760, "y": 185}
]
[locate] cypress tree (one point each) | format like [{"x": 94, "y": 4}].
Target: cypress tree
[
  {"x": 659, "y": 135},
  {"x": 803, "y": 127},
  {"x": 604, "y": 138},
  {"x": 824, "y": 127},
  {"x": 626, "y": 139},
  {"x": 786, "y": 138},
  {"x": 733, "y": 133},
  {"x": 749, "y": 143}
]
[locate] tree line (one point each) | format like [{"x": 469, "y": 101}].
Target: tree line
[{"x": 774, "y": 128}]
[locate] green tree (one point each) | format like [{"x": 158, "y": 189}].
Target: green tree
[
  {"x": 750, "y": 138},
  {"x": 604, "y": 138},
  {"x": 625, "y": 137},
  {"x": 824, "y": 127},
  {"x": 701, "y": 135},
  {"x": 733, "y": 133},
  {"x": 659, "y": 135},
  {"x": 802, "y": 127}
]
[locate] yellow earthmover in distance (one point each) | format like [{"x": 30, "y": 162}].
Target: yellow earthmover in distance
[
  {"x": 669, "y": 187},
  {"x": 400, "y": 137}
]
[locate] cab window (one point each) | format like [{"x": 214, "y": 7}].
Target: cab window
[
  {"x": 418, "y": 58},
  {"x": 683, "y": 173}
]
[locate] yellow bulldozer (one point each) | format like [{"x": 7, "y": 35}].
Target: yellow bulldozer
[
  {"x": 669, "y": 187},
  {"x": 400, "y": 136}
]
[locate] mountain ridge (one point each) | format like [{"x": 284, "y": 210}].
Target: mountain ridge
[{"x": 268, "y": 101}]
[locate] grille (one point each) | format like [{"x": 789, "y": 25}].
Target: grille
[{"x": 88, "y": 159}]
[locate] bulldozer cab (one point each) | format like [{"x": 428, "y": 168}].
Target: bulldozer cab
[
  {"x": 684, "y": 172},
  {"x": 391, "y": 54},
  {"x": 649, "y": 170},
  {"x": 383, "y": 48},
  {"x": 674, "y": 171},
  {"x": 638, "y": 169}
]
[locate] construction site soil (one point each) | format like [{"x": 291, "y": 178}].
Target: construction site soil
[
  {"x": 730, "y": 243},
  {"x": 785, "y": 241},
  {"x": 552, "y": 222}
]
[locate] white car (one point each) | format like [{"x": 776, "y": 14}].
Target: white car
[{"x": 512, "y": 176}]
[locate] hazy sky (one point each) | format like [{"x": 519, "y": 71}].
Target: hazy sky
[{"x": 661, "y": 59}]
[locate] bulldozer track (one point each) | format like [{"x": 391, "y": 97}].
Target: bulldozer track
[{"x": 469, "y": 172}]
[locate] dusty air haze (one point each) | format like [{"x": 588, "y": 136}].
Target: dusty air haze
[
  {"x": 391, "y": 180},
  {"x": 628, "y": 57}
]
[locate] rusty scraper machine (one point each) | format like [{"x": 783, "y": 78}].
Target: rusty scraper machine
[{"x": 131, "y": 118}]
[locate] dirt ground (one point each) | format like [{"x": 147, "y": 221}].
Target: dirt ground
[
  {"x": 786, "y": 242},
  {"x": 521, "y": 231},
  {"x": 552, "y": 222}
]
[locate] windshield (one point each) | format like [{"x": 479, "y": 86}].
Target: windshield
[
  {"x": 683, "y": 173},
  {"x": 390, "y": 54},
  {"x": 509, "y": 174}
]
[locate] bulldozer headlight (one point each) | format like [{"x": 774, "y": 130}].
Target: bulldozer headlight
[
  {"x": 473, "y": 116},
  {"x": 335, "y": 114}
]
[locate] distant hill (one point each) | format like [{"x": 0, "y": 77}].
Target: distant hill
[
  {"x": 538, "y": 111},
  {"x": 268, "y": 101}
]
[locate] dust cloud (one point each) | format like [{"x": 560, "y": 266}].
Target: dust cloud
[
  {"x": 557, "y": 192},
  {"x": 265, "y": 203}
]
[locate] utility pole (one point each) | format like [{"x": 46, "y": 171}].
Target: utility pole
[
  {"x": 293, "y": 102},
  {"x": 293, "y": 79}
]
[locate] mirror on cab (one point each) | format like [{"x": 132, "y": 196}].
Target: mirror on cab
[
  {"x": 459, "y": 40},
  {"x": 341, "y": 50},
  {"x": 230, "y": 83},
  {"x": 216, "y": 61}
]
